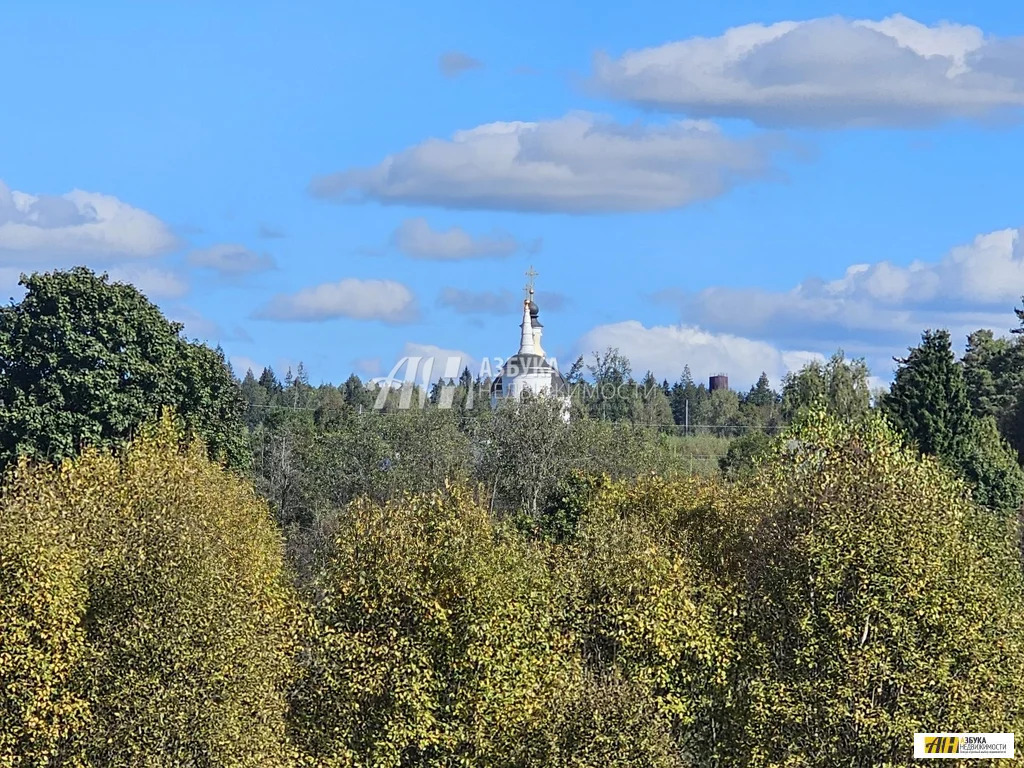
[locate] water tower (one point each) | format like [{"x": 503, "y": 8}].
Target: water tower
[{"x": 718, "y": 381}]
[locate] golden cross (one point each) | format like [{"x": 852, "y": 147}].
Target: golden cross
[{"x": 530, "y": 275}]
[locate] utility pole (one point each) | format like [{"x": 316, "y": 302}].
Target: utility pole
[{"x": 686, "y": 428}]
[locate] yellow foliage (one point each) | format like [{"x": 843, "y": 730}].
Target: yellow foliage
[
  {"x": 183, "y": 614},
  {"x": 42, "y": 599},
  {"x": 434, "y": 640}
]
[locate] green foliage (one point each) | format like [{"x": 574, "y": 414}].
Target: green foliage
[
  {"x": 528, "y": 449},
  {"x": 744, "y": 451},
  {"x": 720, "y": 411},
  {"x": 306, "y": 471},
  {"x": 994, "y": 374},
  {"x": 928, "y": 400},
  {"x": 929, "y": 403},
  {"x": 882, "y": 602},
  {"x": 685, "y": 397},
  {"x": 841, "y": 594},
  {"x": 87, "y": 362},
  {"x": 653, "y": 408},
  {"x": 840, "y": 385},
  {"x": 434, "y": 641},
  {"x": 762, "y": 406},
  {"x": 698, "y": 454},
  {"x": 990, "y": 465},
  {"x": 614, "y": 393},
  {"x": 565, "y": 505},
  {"x": 182, "y": 612}
]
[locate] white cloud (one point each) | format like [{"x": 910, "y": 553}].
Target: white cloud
[
  {"x": 666, "y": 349},
  {"x": 384, "y": 300},
  {"x": 415, "y": 237},
  {"x": 454, "y": 63},
  {"x": 575, "y": 164},
  {"x": 974, "y": 285},
  {"x": 989, "y": 270},
  {"x": 827, "y": 72},
  {"x": 34, "y": 228},
  {"x": 230, "y": 260},
  {"x": 154, "y": 282}
]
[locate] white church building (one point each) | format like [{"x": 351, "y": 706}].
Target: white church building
[{"x": 530, "y": 369}]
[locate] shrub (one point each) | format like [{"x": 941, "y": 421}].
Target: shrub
[
  {"x": 42, "y": 599},
  {"x": 434, "y": 641},
  {"x": 740, "y": 460},
  {"x": 882, "y": 602},
  {"x": 646, "y": 608},
  {"x": 604, "y": 721},
  {"x": 186, "y": 614}
]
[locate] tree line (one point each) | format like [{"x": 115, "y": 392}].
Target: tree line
[{"x": 272, "y": 573}]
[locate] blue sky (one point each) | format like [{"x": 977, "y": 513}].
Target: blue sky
[{"x": 345, "y": 184}]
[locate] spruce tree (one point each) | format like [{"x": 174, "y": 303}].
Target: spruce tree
[
  {"x": 928, "y": 400},
  {"x": 930, "y": 404}
]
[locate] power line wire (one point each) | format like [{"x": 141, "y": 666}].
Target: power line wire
[{"x": 470, "y": 416}]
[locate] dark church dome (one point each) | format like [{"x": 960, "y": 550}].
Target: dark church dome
[{"x": 534, "y": 315}]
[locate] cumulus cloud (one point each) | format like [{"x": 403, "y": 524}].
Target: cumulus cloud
[
  {"x": 416, "y": 238},
  {"x": 666, "y": 349},
  {"x": 455, "y": 63},
  {"x": 875, "y": 310},
  {"x": 154, "y": 282},
  {"x": 827, "y": 72},
  {"x": 230, "y": 260},
  {"x": 34, "y": 228},
  {"x": 467, "y": 302},
  {"x": 575, "y": 164},
  {"x": 384, "y": 300},
  {"x": 972, "y": 286}
]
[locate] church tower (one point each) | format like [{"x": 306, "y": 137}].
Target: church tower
[{"x": 529, "y": 369}]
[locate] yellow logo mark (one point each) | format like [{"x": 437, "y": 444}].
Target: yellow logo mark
[{"x": 942, "y": 745}]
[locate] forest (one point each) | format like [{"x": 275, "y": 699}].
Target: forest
[{"x": 207, "y": 567}]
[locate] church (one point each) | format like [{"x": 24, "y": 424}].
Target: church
[{"x": 530, "y": 369}]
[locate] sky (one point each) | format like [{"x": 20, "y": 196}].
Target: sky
[{"x": 730, "y": 186}]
